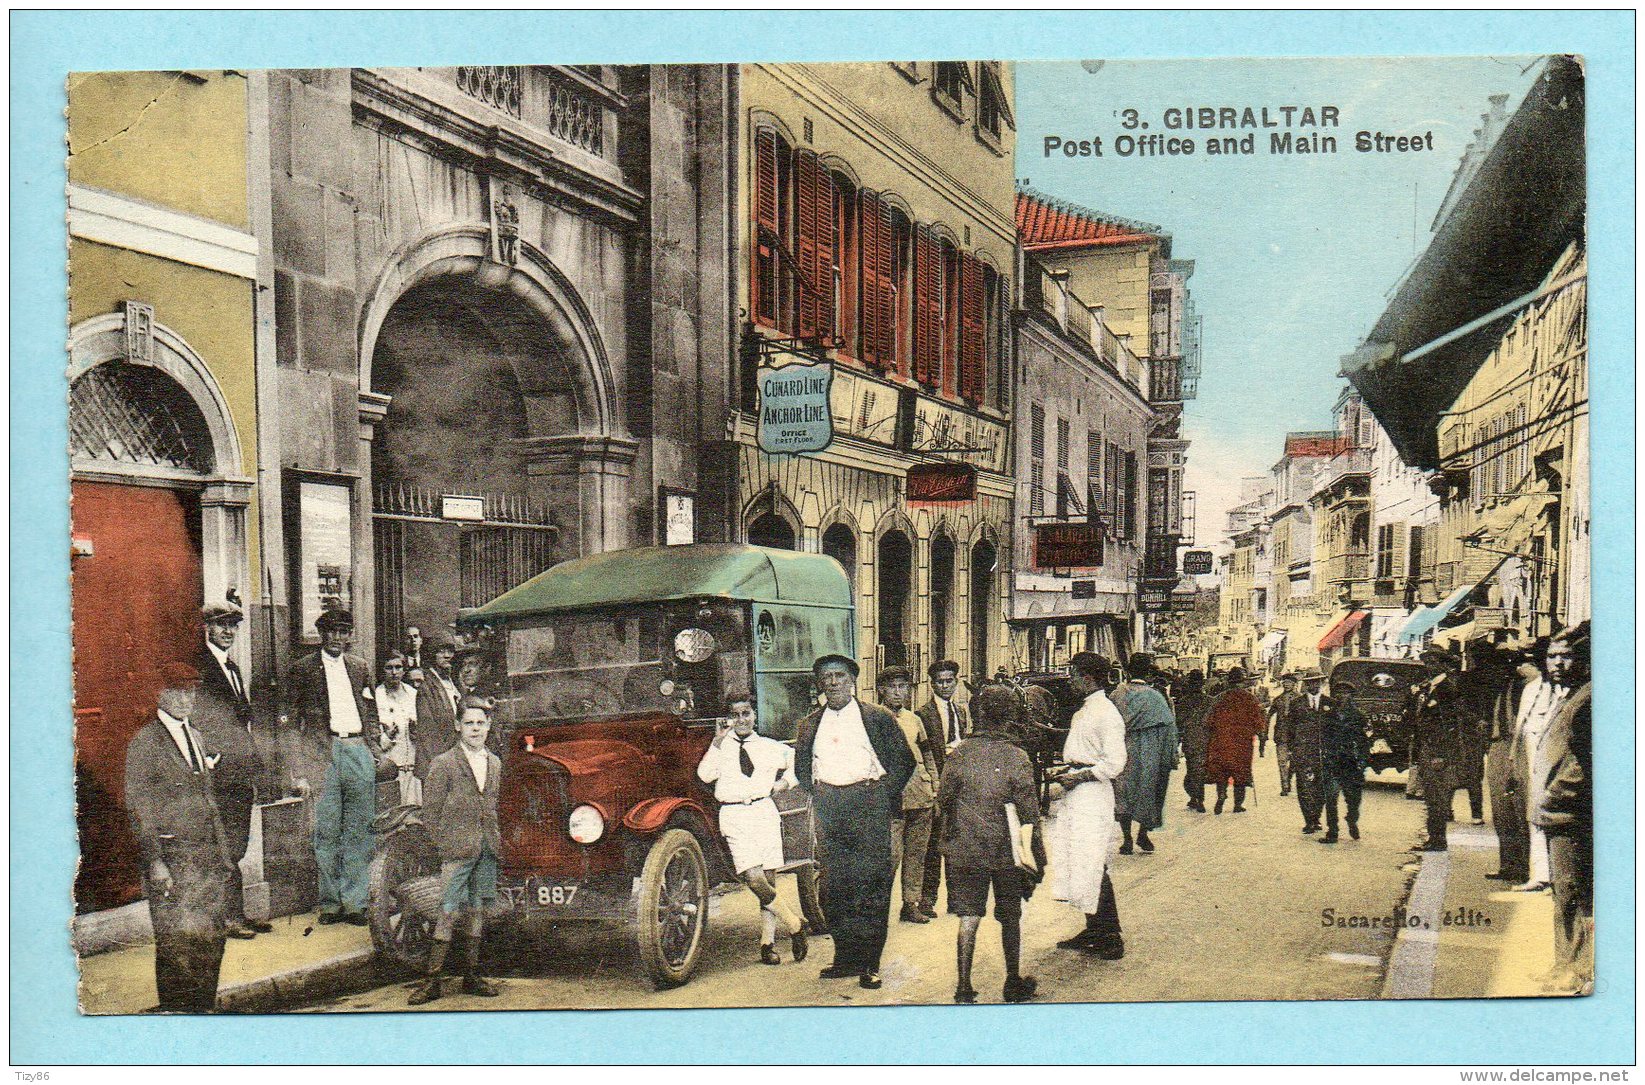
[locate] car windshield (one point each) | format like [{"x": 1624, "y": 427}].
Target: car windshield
[{"x": 678, "y": 658}]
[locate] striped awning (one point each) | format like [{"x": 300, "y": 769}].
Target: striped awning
[
  {"x": 1340, "y": 632},
  {"x": 1428, "y": 617}
]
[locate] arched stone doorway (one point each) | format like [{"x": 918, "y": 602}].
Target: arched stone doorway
[
  {"x": 500, "y": 445},
  {"x": 159, "y": 525},
  {"x": 983, "y": 558},
  {"x": 839, "y": 542},
  {"x": 894, "y": 566},
  {"x": 769, "y": 529},
  {"x": 942, "y": 595}
]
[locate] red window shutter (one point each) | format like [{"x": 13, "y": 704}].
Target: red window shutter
[
  {"x": 868, "y": 288},
  {"x": 884, "y": 261},
  {"x": 765, "y": 220},
  {"x": 821, "y": 272},
  {"x": 972, "y": 353},
  {"x": 927, "y": 307},
  {"x": 806, "y": 188}
]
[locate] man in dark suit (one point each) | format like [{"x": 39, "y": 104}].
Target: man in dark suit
[
  {"x": 436, "y": 728},
  {"x": 1279, "y": 720},
  {"x": 185, "y": 855},
  {"x": 1347, "y": 755},
  {"x": 946, "y": 726},
  {"x": 1307, "y": 719},
  {"x": 412, "y": 649},
  {"x": 222, "y": 712},
  {"x": 1440, "y": 742},
  {"x": 330, "y": 730},
  {"x": 854, "y": 760}
]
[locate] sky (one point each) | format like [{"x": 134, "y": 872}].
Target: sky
[{"x": 1295, "y": 256}]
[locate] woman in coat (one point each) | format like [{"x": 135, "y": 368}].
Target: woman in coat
[
  {"x": 1150, "y": 754},
  {"x": 1234, "y": 720}
]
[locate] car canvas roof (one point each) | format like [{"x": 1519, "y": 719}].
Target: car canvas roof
[{"x": 663, "y": 573}]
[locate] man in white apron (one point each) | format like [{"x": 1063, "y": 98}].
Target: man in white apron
[{"x": 1085, "y": 836}]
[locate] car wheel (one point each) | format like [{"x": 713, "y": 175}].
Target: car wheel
[
  {"x": 673, "y": 907},
  {"x": 405, "y": 901}
]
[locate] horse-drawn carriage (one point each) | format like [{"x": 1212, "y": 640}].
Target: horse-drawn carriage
[{"x": 609, "y": 675}]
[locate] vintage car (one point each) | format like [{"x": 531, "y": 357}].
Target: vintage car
[
  {"x": 609, "y": 674},
  {"x": 1381, "y": 689}
]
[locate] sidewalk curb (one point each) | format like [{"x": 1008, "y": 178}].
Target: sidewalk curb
[{"x": 333, "y": 976}]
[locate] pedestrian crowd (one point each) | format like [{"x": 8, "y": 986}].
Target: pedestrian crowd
[
  {"x": 349, "y": 746},
  {"x": 948, "y": 794}
]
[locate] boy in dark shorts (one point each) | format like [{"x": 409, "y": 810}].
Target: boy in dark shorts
[
  {"x": 460, "y": 809},
  {"x": 981, "y": 776}
]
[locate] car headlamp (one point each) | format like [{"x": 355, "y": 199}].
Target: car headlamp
[{"x": 586, "y": 824}]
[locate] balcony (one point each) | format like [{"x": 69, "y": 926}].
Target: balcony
[
  {"x": 1165, "y": 380},
  {"x": 1345, "y": 467},
  {"x": 1048, "y": 292},
  {"x": 1160, "y": 557},
  {"x": 1348, "y": 567}
]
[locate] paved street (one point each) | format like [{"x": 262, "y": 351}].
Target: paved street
[{"x": 1229, "y": 907}]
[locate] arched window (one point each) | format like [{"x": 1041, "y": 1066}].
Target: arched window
[
  {"x": 983, "y": 557},
  {"x": 942, "y": 594},
  {"x": 136, "y": 414},
  {"x": 902, "y": 291},
  {"x": 895, "y": 568},
  {"x": 840, "y": 543},
  {"x": 949, "y": 322},
  {"x": 844, "y": 280}
]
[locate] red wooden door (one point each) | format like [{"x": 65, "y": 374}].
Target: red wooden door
[{"x": 135, "y": 602}]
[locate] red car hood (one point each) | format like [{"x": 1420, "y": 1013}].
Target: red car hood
[{"x": 592, "y": 756}]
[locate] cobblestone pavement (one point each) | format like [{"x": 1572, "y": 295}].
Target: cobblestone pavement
[{"x": 1229, "y": 907}]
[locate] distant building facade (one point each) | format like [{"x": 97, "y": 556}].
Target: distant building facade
[
  {"x": 1488, "y": 334},
  {"x": 1082, "y": 431}
]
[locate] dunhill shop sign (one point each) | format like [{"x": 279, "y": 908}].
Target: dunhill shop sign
[{"x": 795, "y": 415}]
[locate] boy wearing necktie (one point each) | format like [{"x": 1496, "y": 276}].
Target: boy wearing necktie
[{"x": 746, "y": 769}]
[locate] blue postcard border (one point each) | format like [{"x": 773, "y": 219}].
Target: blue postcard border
[{"x": 47, "y": 1029}]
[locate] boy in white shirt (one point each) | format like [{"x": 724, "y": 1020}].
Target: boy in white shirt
[{"x": 746, "y": 769}]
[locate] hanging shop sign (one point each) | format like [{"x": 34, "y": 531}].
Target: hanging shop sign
[
  {"x": 794, "y": 412},
  {"x": 1183, "y": 602},
  {"x": 1196, "y": 562},
  {"x": 1084, "y": 589},
  {"x": 941, "y": 483},
  {"x": 1067, "y": 546},
  {"x": 1154, "y": 599}
]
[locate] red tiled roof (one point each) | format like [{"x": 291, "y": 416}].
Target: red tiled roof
[
  {"x": 1316, "y": 444},
  {"x": 1047, "y": 223}
]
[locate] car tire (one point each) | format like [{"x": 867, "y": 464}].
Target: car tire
[{"x": 672, "y": 908}]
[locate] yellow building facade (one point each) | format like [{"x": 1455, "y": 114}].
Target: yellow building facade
[
  {"x": 163, "y": 266},
  {"x": 877, "y": 236},
  {"x": 1514, "y": 468}
]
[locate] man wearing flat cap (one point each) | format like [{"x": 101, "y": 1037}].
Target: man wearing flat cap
[
  {"x": 330, "y": 726},
  {"x": 185, "y": 855},
  {"x": 1439, "y": 741},
  {"x": 222, "y": 712},
  {"x": 435, "y": 729},
  {"x": 853, "y": 759}
]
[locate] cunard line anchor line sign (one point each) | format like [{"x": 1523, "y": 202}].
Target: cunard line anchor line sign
[{"x": 794, "y": 411}]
